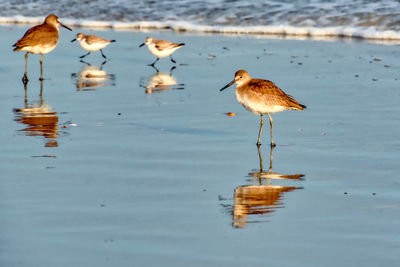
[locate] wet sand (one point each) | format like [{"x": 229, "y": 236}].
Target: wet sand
[{"x": 125, "y": 167}]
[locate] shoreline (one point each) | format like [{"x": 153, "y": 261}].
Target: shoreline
[{"x": 267, "y": 31}]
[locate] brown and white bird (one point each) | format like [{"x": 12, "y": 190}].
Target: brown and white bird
[
  {"x": 40, "y": 39},
  {"x": 161, "y": 48},
  {"x": 92, "y": 43},
  {"x": 262, "y": 97}
]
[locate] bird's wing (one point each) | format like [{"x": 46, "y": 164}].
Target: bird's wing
[
  {"x": 162, "y": 44},
  {"x": 91, "y": 39},
  {"x": 42, "y": 35},
  {"x": 273, "y": 94}
]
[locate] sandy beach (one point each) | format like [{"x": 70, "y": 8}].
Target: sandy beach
[{"x": 130, "y": 167}]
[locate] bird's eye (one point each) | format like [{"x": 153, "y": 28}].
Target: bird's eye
[{"x": 240, "y": 77}]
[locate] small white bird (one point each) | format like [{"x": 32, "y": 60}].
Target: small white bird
[
  {"x": 161, "y": 48},
  {"x": 92, "y": 43}
]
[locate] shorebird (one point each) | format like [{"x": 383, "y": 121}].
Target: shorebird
[
  {"x": 92, "y": 43},
  {"x": 40, "y": 39},
  {"x": 161, "y": 48},
  {"x": 262, "y": 97}
]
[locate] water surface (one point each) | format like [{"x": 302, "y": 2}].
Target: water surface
[{"x": 126, "y": 176}]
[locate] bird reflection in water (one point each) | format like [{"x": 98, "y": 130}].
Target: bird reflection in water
[
  {"x": 161, "y": 81},
  {"x": 253, "y": 202},
  {"x": 39, "y": 119},
  {"x": 91, "y": 77}
]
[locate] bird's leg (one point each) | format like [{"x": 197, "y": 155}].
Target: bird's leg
[
  {"x": 271, "y": 158},
  {"x": 152, "y": 64},
  {"x": 25, "y": 77},
  {"x": 260, "y": 158},
  {"x": 101, "y": 51},
  {"x": 271, "y": 122},
  {"x": 84, "y": 62},
  {"x": 41, "y": 68},
  {"x": 259, "y": 133},
  {"x": 172, "y": 59},
  {"x": 41, "y": 92},
  {"x": 26, "y": 94},
  {"x": 102, "y": 64},
  {"x": 85, "y": 55},
  {"x": 154, "y": 67},
  {"x": 171, "y": 70}
]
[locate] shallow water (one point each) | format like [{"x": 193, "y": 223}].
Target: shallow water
[{"x": 128, "y": 175}]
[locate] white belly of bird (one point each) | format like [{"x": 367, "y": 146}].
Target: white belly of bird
[
  {"x": 259, "y": 107},
  {"x": 161, "y": 53},
  {"x": 92, "y": 47},
  {"x": 38, "y": 49}
]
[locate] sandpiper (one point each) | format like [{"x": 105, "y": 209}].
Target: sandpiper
[
  {"x": 262, "y": 97},
  {"x": 161, "y": 48},
  {"x": 40, "y": 39},
  {"x": 92, "y": 43}
]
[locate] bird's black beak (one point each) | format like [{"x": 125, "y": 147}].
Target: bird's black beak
[
  {"x": 142, "y": 45},
  {"x": 226, "y": 86},
  {"x": 73, "y": 40},
  {"x": 66, "y": 27}
]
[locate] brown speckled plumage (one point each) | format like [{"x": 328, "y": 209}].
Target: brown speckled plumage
[
  {"x": 40, "y": 39},
  {"x": 39, "y": 35},
  {"x": 270, "y": 94},
  {"x": 92, "y": 39},
  {"x": 262, "y": 97},
  {"x": 163, "y": 44},
  {"x": 43, "y": 35}
]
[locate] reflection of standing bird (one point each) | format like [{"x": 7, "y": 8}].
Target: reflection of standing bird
[
  {"x": 262, "y": 97},
  {"x": 257, "y": 200},
  {"x": 161, "y": 48},
  {"x": 39, "y": 119},
  {"x": 92, "y": 43},
  {"x": 40, "y": 39}
]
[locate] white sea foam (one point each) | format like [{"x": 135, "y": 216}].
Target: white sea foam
[
  {"x": 368, "y": 19},
  {"x": 179, "y": 26}
]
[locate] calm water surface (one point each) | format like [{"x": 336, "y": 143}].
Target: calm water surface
[{"x": 117, "y": 164}]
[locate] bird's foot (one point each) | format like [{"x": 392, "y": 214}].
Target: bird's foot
[{"x": 25, "y": 79}]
